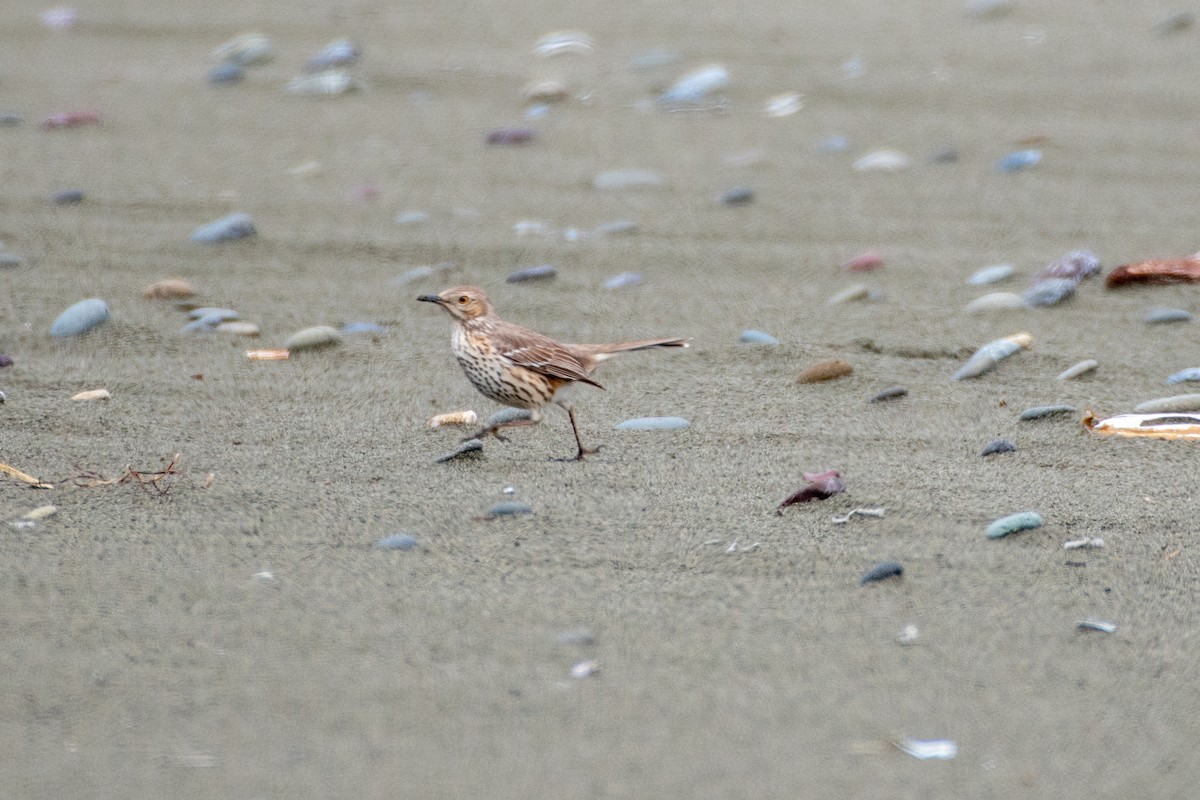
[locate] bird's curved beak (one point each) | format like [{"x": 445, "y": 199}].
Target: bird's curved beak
[{"x": 429, "y": 298}]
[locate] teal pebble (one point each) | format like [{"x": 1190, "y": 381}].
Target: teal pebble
[
  {"x": 653, "y": 424},
  {"x": 1024, "y": 521},
  {"x": 80, "y": 318},
  {"x": 757, "y": 337}
]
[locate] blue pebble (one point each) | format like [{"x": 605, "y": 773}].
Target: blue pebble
[
  {"x": 1192, "y": 374},
  {"x": 226, "y": 74},
  {"x": 397, "y": 541},
  {"x": 225, "y": 314},
  {"x": 1024, "y": 521},
  {"x": 363, "y": 327},
  {"x": 1161, "y": 316},
  {"x": 653, "y": 424},
  {"x": 226, "y": 229},
  {"x": 882, "y": 571},
  {"x": 203, "y": 324},
  {"x": 1049, "y": 292},
  {"x": 80, "y": 318},
  {"x": 1019, "y": 160},
  {"x": 509, "y": 508},
  {"x": 623, "y": 281},
  {"x": 757, "y": 337},
  {"x": 833, "y": 144},
  {"x": 67, "y": 197},
  {"x": 993, "y": 274},
  {"x": 543, "y": 272}
]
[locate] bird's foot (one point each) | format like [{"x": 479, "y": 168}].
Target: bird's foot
[{"x": 583, "y": 451}]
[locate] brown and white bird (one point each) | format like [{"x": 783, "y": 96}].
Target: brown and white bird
[{"x": 519, "y": 367}]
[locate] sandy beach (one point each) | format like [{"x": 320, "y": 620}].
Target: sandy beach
[{"x": 241, "y": 634}]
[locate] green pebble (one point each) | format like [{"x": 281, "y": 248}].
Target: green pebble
[{"x": 1024, "y": 521}]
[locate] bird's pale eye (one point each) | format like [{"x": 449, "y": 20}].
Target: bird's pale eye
[{"x": 463, "y": 300}]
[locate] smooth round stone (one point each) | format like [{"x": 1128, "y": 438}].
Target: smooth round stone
[
  {"x": 883, "y": 161},
  {"x": 757, "y": 337},
  {"x": 397, "y": 541},
  {"x": 203, "y": 324},
  {"x": 169, "y": 289},
  {"x": 11, "y": 261},
  {"x": 80, "y": 318},
  {"x": 222, "y": 314},
  {"x": 654, "y": 424},
  {"x": 312, "y": 338},
  {"x": 627, "y": 179},
  {"x": 1160, "y": 316},
  {"x": 1018, "y": 160},
  {"x": 322, "y": 84},
  {"x": 695, "y": 87},
  {"x": 1082, "y": 368},
  {"x": 1024, "y": 521},
  {"x": 737, "y": 196},
  {"x": 890, "y": 393},
  {"x": 471, "y": 448},
  {"x": 238, "y": 328},
  {"x": 618, "y": 227},
  {"x": 225, "y": 229},
  {"x": 859, "y": 291},
  {"x": 882, "y": 571},
  {"x": 1179, "y": 402},
  {"x": 832, "y": 144},
  {"x": 412, "y": 218},
  {"x": 511, "y": 136},
  {"x": 542, "y": 272},
  {"x": 508, "y": 508},
  {"x": 5, "y": 360},
  {"x": 340, "y": 53},
  {"x": 1041, "y": 412},
  {"x": 226, "y": 74},
  {"x": 996, "y": 301},
  {"x": 624, "y": 280},
  {"x": 826, "y": 371},
  {"x": 247, "y": 49},
  {"x": 993, "y": 274},
  {"x": 1191, "y": 374},
  {"x": 1050, "y": 292},
  {"x": 363, "y": 327},
  {"x": 67, "y": 197},
  {"x": 997, "y": 446}
]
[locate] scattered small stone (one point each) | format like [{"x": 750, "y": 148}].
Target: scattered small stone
[
  {"x": 5, "y": 360},
  {"x": 511, "y": 136},
  {"x": 340, "y": 53},
  {"x": 866, "y": 261},
  {"x": 858, "y": 291},
  {"x": 1179, "y": 402},
  {"x": 996, "y": 301},
  {"x": 322, "y": 84},
  {"x": 858, "y": 512},
  {"x": 1169, "y": 270},
  {"x": 92, "y": 394},
  {"x": 237, "y": 328},
  {"x": 1175, "y": 23},
  {"x": 545, "y": 92},
  {"x": 70, "y": 119},
  {"x": 225, "y": 229},
  {"x": 620, "y": 227},
  {"x": 397, "y": 541},
  {"x": 11, "y": 261},
  {"x": 1082, "y": 368},
  {"x": 1190, "y": 374},
  {"x": 40, "y": 513},
  {"x": 627, "y": 179},
  {"x": 247, "y": 49},
  {"x": 508, "y": 508},
  {"x": 694, "y": 87},
  {"x": 1019, "y": 160},
  {"x": 909, "y": 635},
  {"x": 1100, "y": 625},
  {"x": 220, "y": 314},
  {"x": 993, "y": 274},
  {"x": 67, "y": 197},
  {"x": 820, "y": 486},
  {"x": 1014, "y": 523},
  {"x": 1087, "y": 541},
  {"x": 883, "y": 161},
  {"x": 467, "y": 417},
  {"x": 737, "y": 196},
  {"x": 470, "y": 448},
  {"x": 1077, "y": 265},
  {"x": 80, "y": 318},
  {"x": 205, "y": 324},
  {"x": 624, "y": 280},
  {"x": 757, "y": 337},
  {"x": 1042, "y": 412},
  {"x": 925, "y": 749},
  {"x": 783, "y": 105},
  {"x": 169, "y": 289},
  {"x": 882, "y": 571},
  {"x": 371, "y": 328},
  {"x": 3, "y": 397},
  {"x": 891, "y": 393},
  {"x": 312, "y": 338},
  {"x": 996, "y": 446},
  {"x": 1049, "y": 292},
  {"x": 412, "y": 218},
  {"x": 226, "y": 74},
  {"x": 559, "y": 43},
  {"x": 542, "y": 272},
  {"x": 826, "y": 371},
  {"x": 1161, "y": 316},
  {"x": 9, "y": 119},
  {"x": 986, "y": 358},
  {"x": 586, "y": 669},
  {"x": 654, "y": 424}
]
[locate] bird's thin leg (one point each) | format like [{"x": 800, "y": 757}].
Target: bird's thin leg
[{"x": 583, "y": 451}]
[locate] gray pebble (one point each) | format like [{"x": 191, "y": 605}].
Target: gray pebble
[
  {"x": 226, "y": 74},
  {"x": 223, "y": 314},
  {"x": 1041, "y": 412},
  {"x": 1082, "y": 368},
  {"x": 996, "y": 301},
  {"x": 397, "y": 541},
  {"x": 618, "y": 227},
  {"x": 1049, "y": 292},
  {"x": 890, "y": 393},
  {"x": 998, "y": 446},
  {"x": 1018, "y": 160},
  {"x": 542, "y": 272},
  {"x": 1024, "y": 521},
  {"x": 1191, "y": 374},
  {"x": 363, "y": 327},
  {"x": 737, "y": 196},
  {"x": 1161, "y": 316},
  {"x": 3, "y": 397},
  {"x": 412, "y": 218},
  {"x": 342, "y": 53},
  {"x": 11, "y": 261},
  {"x": 757, "y": 337},
  {"x": 203, "y": 324},
  {"x": 882, "y": 571},
  {"x": 80, "y": 318},
  {"x": 225, "y": 229},
  {"x": 312, "y": 338},
  {"x": 695, "y": 87},
  {"x": 653, "y": 424},
  {"x": 471, "y": 448},
  {"x": 992, "y": 274},
  {"x": 9, "y": 119},
  {"x": 67, "y": 197},
  {"x": 508, "y": 508},
  {"x": 623, "y": 281},
  {"x": 1179, "y": 402},
  {"x": 627, "y": 179}
]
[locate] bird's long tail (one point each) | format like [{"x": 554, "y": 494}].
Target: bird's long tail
[{"x": 601, "y": 352}]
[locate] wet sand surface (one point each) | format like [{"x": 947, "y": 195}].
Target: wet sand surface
[{"x": 244, "y": 636}]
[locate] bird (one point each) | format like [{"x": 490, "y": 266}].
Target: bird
[{"x": 521, "y": 368}]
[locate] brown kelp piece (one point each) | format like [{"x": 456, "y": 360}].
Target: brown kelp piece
[
  {"x": 820, "y": 486},
  {"x": 1156, "y": 270}
]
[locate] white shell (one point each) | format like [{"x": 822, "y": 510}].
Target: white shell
[{"x": 883, "y": 161}]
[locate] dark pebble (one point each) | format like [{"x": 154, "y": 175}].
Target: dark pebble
[
  {"x": 67, "y": 197},
  {"x": 998, "y": 446},
  {"x": 737, "y": 196},
  {"x": 397, "y": 541},
  {"x": 470, "y": 449},
  {"x": 1041, "y": 412},
  {"x": 511, "y": 136},
  {"x": 946, "y": 155},
  {"x": 508, "y": 508},
  {"x": 1049, "y": 292},
  {"x": 9, "y": 119},
  {"x": 226, "y": 74},
  {"x": 889, "y": 394},
  {"x": 5, "y": 361},
  {"x": 882, "y": 571},
  {"x": 543, "y": 272}
]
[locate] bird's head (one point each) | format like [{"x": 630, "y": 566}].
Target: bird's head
[{"x": 461, "y": 302}]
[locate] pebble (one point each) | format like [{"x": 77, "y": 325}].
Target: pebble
[
  {"x": 1179, "y": 402},
  {"x": 997, "y": 446},
  {"x": 986, "y": 358},
  {"x": 5, "y": 360},
  {"x": 757, "y": 337},
  {"x": 866, "y": 261},
  {"x": 653, "y": 424},
  {"x": 238, "y": 328},
  {"x": 737, "y": 196},
  {"x": 247, "y": 49},
  {"x": 225, "y": 229},
  {"x": 993, "y": 274},
  {"x": 624, "y": 280},
  {"x": 169, "y": 289},
  {"x": 883, "y": 161},
  {"x": 826, "y": 371},
  {"x": 364, "y": 327},
  {"x": 989, "y": 9},
  {"x": 619, "y": 227},
  {"x": 882, "y": 571},
  {"x": 226, "y": 74},
  {"x": 1190, "y": 374},
  {"x": 1100, "y": 625},
  {"x": 340, "y": 53},
  {"x": 859, "y": 291},
  {"x": 694, "y": 87},
  {"x": 783, "y": 105},
  {"x": 891, "y": 393},
  {"x": 397, "y": 541},
  {"x": 41, "y": 512},
  {"x": 511, "y": 136},
  {"x": 70, "y": 119},
  {"x": 9, "y": 119},
  {"x": 996, "y": 301},
  {"x": 3, "y": 397},
  {"x": 1077, "y": 265},
  {"x": 67, "y": 197},
  {"x": 1041, "y": 412},
  {"x": 558, "y": 43},
  {"x": 1049, "y": 292},
  {"x": 627, "y": 179},
  {"x": 1014, "y": 523},
  {"x": 80, "y": 318},
  {"x": 507, "y": 415},
  {"x": 471, "y": 448},
  {"x": 508, "y": 508},
  {"x": 92, "y": 394},
  {"x": 322, "y": 84},
  {"x": 11, "y": 261},
  {"x": 542, "y": 272},
  {"x": 832, "y": 144},
  {"x": 1018, "y": 160},
  {"x": 1160, "y": 316},
  {"x": 412, "y": 218},
  {"x": 1082, "y": 368},
  {"x": 312, "y": 338},
  {"x": 204, "y": 324},
  {"x": 222, "y": 314},
  {"x": 545, "y": 92}
]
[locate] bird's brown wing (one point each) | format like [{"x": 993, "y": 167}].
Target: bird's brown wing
[{"x": 540, "y": 354}]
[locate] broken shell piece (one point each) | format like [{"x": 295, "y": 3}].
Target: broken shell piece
[
  {"x": 585, "y": 669},
  {"x": 1087, "y": 541},
  {"x": 1155, "y": 426},
  {"x": 928, "y": 748},
  {"x": 858, "y": 512},
  {"x": 93, "y": 394},
  {"x": 238, "y": 328},
  {"x": 558, "y": 43},
  {"x": 909, "y": 635},
  {"x": 169, "y": 289},
  {"x": 467, "y": 417},
  {"x": 883, "y": 161},
  {"x": 332, "y": 82},
  {"x": 41, "y": 512},
  {"x": 247, "y": 50},
  {"x": 1103, "y": 626},
  {"x": 987, "y": 357},
  {"x": 545, "y": 92},
  {"x": 278, "y": 354},
  {"x": 784, "y": 105}
]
